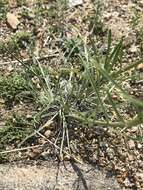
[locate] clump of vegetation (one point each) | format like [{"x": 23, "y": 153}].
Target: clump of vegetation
[
  {"x": 26, "y": 13},
  {"x": 72, "y": 47},
  {"x": 19, "y": 40},
  {"x": 42, "y": 11},
  {"x": 139, "y": 37},
  {"x": 17, "y": 127},
  {"x": 3, "y": 9},
  {"x": 54, "y": 11},
  {"x": 21, "y": 2},
  {"x": 96, "y": 25},
  {"x": 136, "y": 17},
  {"x": 14, "y": 88},
  {"x": 91, "y": 93},
  {"x": 62, "y": 5}
]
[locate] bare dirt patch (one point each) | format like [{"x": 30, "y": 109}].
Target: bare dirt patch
[{"x": 49, "y": 176}]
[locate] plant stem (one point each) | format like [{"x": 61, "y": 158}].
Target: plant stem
[{"x": 129, "y": 123}]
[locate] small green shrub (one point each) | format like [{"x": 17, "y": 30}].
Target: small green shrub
[
  {"x": 16, "y": 42},
  {"x": 15, "y": 130},
  {"x": 3, "y": 9},
  {"x": 14, "y": 87},
  {"x": 21, "y": 2}
]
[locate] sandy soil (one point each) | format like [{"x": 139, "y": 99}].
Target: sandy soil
[{"x": 48, "y": 176}]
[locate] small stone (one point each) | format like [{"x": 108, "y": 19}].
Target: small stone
[
  {"x": 38, "y": 86},
  {"x": 104, "y": 49},
  {"x": 67, "y": 157},
  {"x": 45, "y": 155},
  {"x": 29, "y": 116},
  {"x": 107, "y": 15},
  {"x": 48, "y": 133},
  {"x": 134, "y": 129},
  {"x": 127, "y": 183},
  {"x": 140, "y": 67},
  {"x": 2, "y": 124},
  {"x": 95, "y": 157},
  {"x": 41, "y": 141},
  {"x": 2, "y": 101},
  {"x": 10, "y": 68},
  {"x": 130, "y": 157},
  {"x": 37, "y": 150},
  {"x": 30, "y": 2},
  {"x": 140, "y": 175},
  {"x": 32, "y": 155},
  {"x": 12, "y": 20},
  {"x": 141, "y": 3},
  {"x": 139, "y": 146},
  {"x": 133, "y": 49},
  {"x": 131, "y": 144},
  {"x": 73, "y": 3}
]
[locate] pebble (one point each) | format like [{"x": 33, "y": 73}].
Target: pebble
[
  {"x": 45, "y": 155},
  {"x": 133, "y": 49},
  {"x": 73, "y": 3},
  {"x": 127, "y": 183},
  {"x": 131, "y": 157},
  {"x": 140, "y": 175},
  {"x": 131, "y": 144},
  {"x": 139, "y": 146},
  {"x": 12, "y": 20},
  {"x": 134, "y": 129},
  {"x": 48, "y": 133}
]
